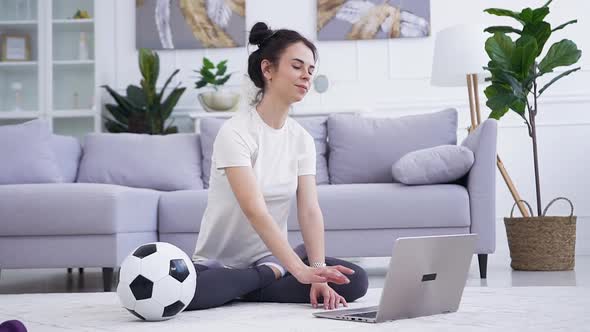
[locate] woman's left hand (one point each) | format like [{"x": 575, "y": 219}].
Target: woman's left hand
[{"x": 331, "y": 298}]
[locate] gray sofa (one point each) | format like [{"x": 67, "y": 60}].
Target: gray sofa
[{"x": 76, "y": 224}]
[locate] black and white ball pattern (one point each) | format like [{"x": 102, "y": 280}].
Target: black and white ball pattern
[{"x": 156, "y": 281}]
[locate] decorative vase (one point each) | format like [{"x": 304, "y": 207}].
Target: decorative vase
[
  {"x": 543, "y": 243},
  {"x": 219, "y": 101}
]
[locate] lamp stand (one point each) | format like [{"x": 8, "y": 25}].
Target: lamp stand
[{"x": 476, "y": 121}]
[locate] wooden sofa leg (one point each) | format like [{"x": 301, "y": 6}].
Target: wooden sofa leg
[
  {"x": 80, "y": 270},
  {"x": 483, "y": 265},
  {"x": 69, "y": 270},
  {"x": 107, "y": 278}
]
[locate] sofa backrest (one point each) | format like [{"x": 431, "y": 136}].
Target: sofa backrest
[
  {"x": 363, "y": 149},
  {"x": 67, "y": 152}
]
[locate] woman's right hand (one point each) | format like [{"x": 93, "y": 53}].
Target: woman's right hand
[{"x": 334, "y": 274}]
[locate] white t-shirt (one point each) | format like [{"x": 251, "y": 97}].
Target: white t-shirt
[{"x": 277, "y": 157}]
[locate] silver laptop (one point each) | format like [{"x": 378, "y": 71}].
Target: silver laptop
[{"x": 426, "y": 276}]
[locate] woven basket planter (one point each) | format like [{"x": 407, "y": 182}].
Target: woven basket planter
[{"x": 544, "y": 243}]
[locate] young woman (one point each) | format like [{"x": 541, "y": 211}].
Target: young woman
[{"x": 261, "y": 160}]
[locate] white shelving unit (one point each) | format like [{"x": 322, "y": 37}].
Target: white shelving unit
[{"x": 59, "y": 82}]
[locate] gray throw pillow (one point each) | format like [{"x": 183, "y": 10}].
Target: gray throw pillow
[
  {"x": 440, "y": 164},
  {"x": 362, "y": 149},
  {"x": 317, "y": 127},
  {"x": 68, "y": 151},
  {"x": 26, "y": 154},
  {"x": 168, "y": 162},
  {"x": 209, "y": 128}
]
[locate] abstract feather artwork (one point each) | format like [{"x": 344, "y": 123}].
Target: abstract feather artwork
[
  {"x": 372, "y": 19},
  {"x": 190, "y": 24}
]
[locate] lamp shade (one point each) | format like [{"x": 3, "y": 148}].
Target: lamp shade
[{"x": 459, "y": 50}]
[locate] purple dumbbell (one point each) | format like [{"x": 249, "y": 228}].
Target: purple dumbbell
[{"x": 12, "y": 326}]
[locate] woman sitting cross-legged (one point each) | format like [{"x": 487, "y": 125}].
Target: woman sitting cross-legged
[{"x": 261, "y": 159}]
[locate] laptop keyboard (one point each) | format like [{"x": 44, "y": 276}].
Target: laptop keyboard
[{"x": 370, "y": 314}]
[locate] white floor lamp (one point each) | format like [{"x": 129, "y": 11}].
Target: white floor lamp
[{"x": 459, "y": 57}]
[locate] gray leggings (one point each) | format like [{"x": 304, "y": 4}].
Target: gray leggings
[{"x": 218, "y": 285}]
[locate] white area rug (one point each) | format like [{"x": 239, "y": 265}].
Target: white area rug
[{"x": 482, "y": 309}]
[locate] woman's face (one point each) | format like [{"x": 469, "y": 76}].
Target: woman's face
[{"x": 292, "y": 78}]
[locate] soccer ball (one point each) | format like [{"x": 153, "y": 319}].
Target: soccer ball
[{"x": 156, "y": 281}]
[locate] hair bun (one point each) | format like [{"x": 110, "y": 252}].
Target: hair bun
[{"x": 259, "y": 32}]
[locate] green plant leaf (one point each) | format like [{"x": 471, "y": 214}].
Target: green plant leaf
[
  {"x": 170, "y": 102},
  {"x": 122, "y": 101},
  {"x": 499, "y": 48},
  {"x": 526, "y": 15},
  {"x": 161, "y": 94},
  {"x": 156, "y": 69},
  {"x": 547, "y": 3},
  {"x": 539, "y": 14},
  {"x": 210, "y": 80},
  {"x": 540, "y": 31},
  {"x": 562, "y": 53},
  {"x": 206, "y": 73},
  {"x": 514, "y": 83},
  {"x": 221, "y": 64},
  {"x": 207, "y": 64},
  {"x": 523, "y": 56},
  {"x": 504, "y": 12},
  {"x": 558, "y": 77},
  {"x": 200, "y": 84},
  {"x": 222, "y": 81},
  {"x": 564, "y": 25},
  {"x": 221, "y": 71},
  {"x": 144, "y": 62},
  {"x": 118, "y": 113},
  {"x": 137, "y": 96},
  {"x": 502, "y": 29},
  {"x": 114, "y": 127},
  {"x": 149, "y": 62},
  {"x": 499, "y": 100},
  {"x": 518, "y": 106}
]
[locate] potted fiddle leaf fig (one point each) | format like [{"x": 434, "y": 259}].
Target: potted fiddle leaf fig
[
  {"x": 144, "y": 110},
  {"x": 218, "y": 99},
  {"x": 517, "y": 66}
]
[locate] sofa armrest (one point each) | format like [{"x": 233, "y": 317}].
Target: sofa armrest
[{"x": 481, "y": 184}]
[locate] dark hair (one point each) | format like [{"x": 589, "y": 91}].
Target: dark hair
[{"x": 271, "y": 45}]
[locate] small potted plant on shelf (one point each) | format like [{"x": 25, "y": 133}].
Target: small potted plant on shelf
[
  {"x": 218, "y": 99},
  {"x": 144, "y": 110},
  {"x": 81, "y": 14},
  {"x": 538, "y": 242}
]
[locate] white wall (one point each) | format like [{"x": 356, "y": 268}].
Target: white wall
[{"x": 392, "y": 76}]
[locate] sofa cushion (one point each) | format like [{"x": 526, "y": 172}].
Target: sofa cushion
[
  {"x": 390, "y": 205},
  {"x": 68, "y": 152},
  {"x": 315, "y": 126},
  {"x": 363, "y": 149},
  {"x": 26, "y": 154},
  {"x": 76, "y": 209},
  {"x": 169, "y": 162},
  {"x": 181, "y": 211},
  {"x": 439, "y": 164}
]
